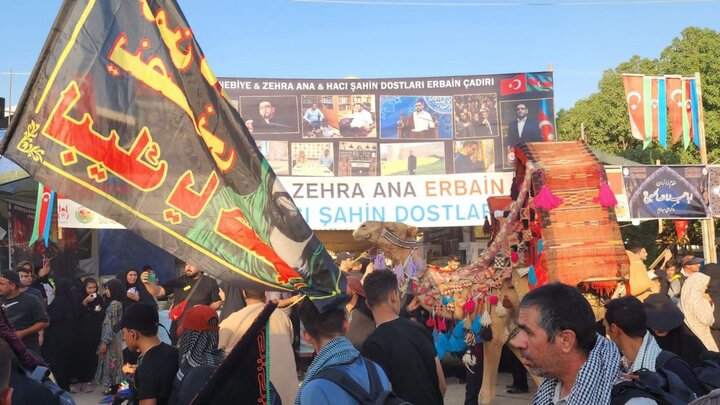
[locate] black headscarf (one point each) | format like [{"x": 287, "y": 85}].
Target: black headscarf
[
  {"x": 117, "y": 290},
  {"x": 144, "y": 294}
]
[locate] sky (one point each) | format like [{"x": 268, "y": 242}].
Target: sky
[{"x": 385, "y": 39}]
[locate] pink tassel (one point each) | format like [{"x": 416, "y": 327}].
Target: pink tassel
[
  {"x": 441, "y": 325},
  {"x": 606, "y": 197},
  {"x": 493, "y": 299},
  {"x": 430, "y": 322},
  {"x": 514, "y": 257},
  {"x": 469, "y": 306},
  {"x": 546, "y": 200}
]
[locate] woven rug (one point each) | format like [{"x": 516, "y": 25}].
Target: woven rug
[{"x": 581, "y": 239}]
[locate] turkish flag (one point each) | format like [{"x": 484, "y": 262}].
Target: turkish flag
[
  {"x": 514, "y": 85},
  {"x": 673, "y": 94},
  {"x": 636, "y": 105}
]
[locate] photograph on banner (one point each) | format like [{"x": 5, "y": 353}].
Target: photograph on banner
[
  {"x": 347, "y": 116},
  {"x": 475, "y": 115},
  {"x": 270, "y": 114},
  {"x": 312, "y": 159},
  {"x": 667, "y": 191},
  {"x": 412, "y": 158},
  {"x": 276, "y": 153},
  {"x": 413, "y": 117},
  {"x": 357, "y": 159},
  {"x": 474, "y": 156},
  {"x": 714, "y": 186},
  {"x": 615, "y": 181},
  {"x": 61, "y": 251},
  {"x": 525, "y": 121}
]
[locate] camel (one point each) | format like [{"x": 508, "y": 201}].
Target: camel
[{"x": 398, "y": 242}]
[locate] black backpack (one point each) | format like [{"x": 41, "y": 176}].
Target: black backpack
[
  {"x": 377, "y": 395},
  {"x": 709, "y": 374},
  {"x": 663, "y": 386}
]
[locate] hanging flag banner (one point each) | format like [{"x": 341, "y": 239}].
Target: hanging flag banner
[
  {"x": 160, "y": 149},
  {"x": 652, "y": 100},
  {"x": 676, "y": 108},
  {"x": 635, "y": 96},
  {"x": 73, "y": 215},
  {"x": 667, "y": 192}
]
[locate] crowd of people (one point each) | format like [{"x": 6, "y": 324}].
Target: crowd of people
[{"x": 377, "y": 346}]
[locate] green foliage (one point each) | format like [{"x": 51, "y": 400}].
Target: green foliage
[{"x": 605, "y": 116}]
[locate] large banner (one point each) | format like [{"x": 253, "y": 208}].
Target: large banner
[
  {"x": 424, "y": 201},
  {"x": 123, "y": 115},
  {"x": 388, "y": 127},
  {"x": 667, "y": 191}
]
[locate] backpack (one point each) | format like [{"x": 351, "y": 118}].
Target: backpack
[
  {"x": 663, "y": 386},
  {"x": 377, "y": 395},
  {"x": 675, "y": 385},
  {"x": 40, "y": 376},
  {"x": 647, "y": 385}
]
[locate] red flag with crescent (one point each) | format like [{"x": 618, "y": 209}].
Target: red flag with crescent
[
  {"x": 675, "y": 106},
  {"x": 514, "y": 85},
  {"x": 634, "y": 96}
]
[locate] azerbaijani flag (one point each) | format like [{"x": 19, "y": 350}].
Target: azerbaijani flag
[
  {"x": 43, "y": 214},
  {"x": 539, "y": 82},
  {"x": 545, "y": 122}
]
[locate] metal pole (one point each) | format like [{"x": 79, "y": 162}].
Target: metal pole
[{"x": 708, "y": 225}]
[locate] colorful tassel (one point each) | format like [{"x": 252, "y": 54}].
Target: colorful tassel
[
  {"x": 540, "y": 246},
  {"x": 469, "y": 306},
  {"x": 514, "y": 257},
  {"x": 442, "y": 326},
  {"x": 486, "y": 334},
  {"x": 469, "y": 360},
  {"x": 606, "y": 197},
  {"x": 546, "y": 199},
  {"x": 532, "y": 278},
  {"x": 412, "y": 269},
  {"x": 430, "y": 322},
  {"x": 493, "y": 299},
  {"x": 441, "y": 345},
  {"x": 476, "y": 325},
  {"x": 379, "y": 261}
]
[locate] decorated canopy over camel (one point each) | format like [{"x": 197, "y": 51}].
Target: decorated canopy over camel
[{"x": 559, "y": 224}]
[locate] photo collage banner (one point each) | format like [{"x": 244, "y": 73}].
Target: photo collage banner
[{"x": 394, "y": 127}]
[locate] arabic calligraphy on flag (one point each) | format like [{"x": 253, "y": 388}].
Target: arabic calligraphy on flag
[
  {"x": 123, "y": 115},
  {"x": 667, "y": 191}
]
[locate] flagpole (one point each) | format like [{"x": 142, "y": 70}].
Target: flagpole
[{"x": 708, "y": 225}]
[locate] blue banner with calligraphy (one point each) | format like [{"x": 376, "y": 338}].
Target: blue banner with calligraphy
[
  {"x": 667, "y": 192},
  {"x": 123, "y": 115}
]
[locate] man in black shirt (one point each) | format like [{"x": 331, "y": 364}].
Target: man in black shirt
[
  {"x": 26, "y": 312},
  {"x": 158, "y": 362},
  {"x": 403, "y": 348},
  {"x": 206, "y": 292}
]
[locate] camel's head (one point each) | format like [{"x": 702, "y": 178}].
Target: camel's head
[{"x": 371, "y": 230}]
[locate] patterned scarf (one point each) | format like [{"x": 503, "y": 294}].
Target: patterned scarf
[
  {"x": 335, "y": 352},
  {"x": 198, "y": 348},
  {"x": 594, "y": 381},
  {"x": 646, "y": 356}
]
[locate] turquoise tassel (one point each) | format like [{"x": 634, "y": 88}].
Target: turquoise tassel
[{"x": 532, "y": 279}]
